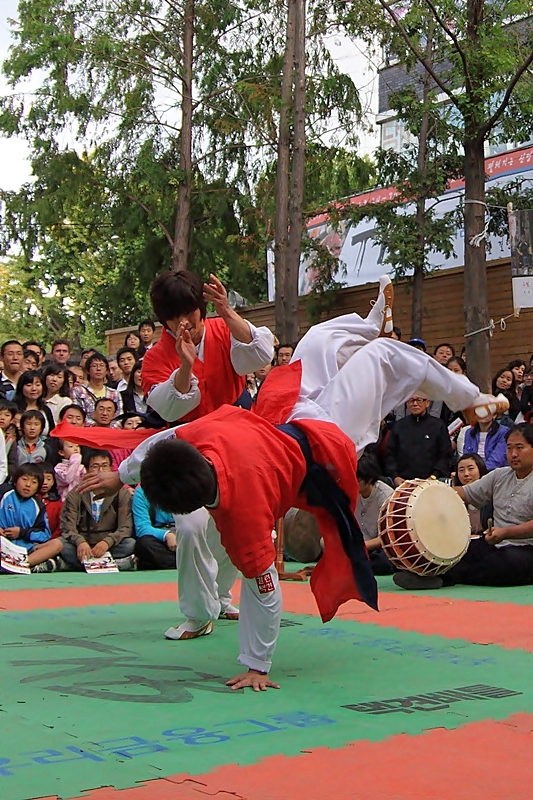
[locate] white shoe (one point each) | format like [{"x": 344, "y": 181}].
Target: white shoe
[
  {"x": 189, "y": 630},
  {"x": 381, "y": 313},
  {"x": 230, "y": 612},
  {"x": 485, "y": 405}
]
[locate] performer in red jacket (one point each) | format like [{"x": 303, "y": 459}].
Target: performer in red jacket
[{"x": 198, "y": 365}]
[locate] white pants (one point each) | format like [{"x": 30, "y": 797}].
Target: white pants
[
  {"x": 259, "y": 619},
  {"x": 205, "y": 572},
  {"x": 355, "y": 379}
]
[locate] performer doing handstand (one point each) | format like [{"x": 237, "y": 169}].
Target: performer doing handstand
[{"x": 232, "y": 461}]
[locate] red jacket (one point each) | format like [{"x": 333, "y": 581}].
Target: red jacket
[{"x": 217, "y": 380}]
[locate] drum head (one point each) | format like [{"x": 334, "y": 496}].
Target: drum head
[
  {"x": 440, "y": 520},
  {"x": 301, "y": 536}
]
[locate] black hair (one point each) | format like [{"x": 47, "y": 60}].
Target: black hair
[
  {"x": 149, "y": 322},
  {"x": 129, "y": 350},
  {"x": 517, "y": 362},
  {"x": 25, "y": 346},
  {"x": 8, "y": 405},
  {"x": 525, "y": 429},
  {"x": 457, "y": 360},
  {"x": 9, "y": 341},
  {"x": 129, "y": 391},
  {"x": 398, "y": 332},
  {"x": 492, "y": 430},
  {"x": 285, "y": 344},
  {"x": 96, "y": 356},
  {"x": 88, "y": 350},
  {"x": 495, "y": 389},
  {"x": 31, "y": 354},
  {"x": 32, "y": 415},
  {"x": 176, "y": 477},
  {"x": 480, "y": 463},
  {"x": 25, "y": 379},
  {"x": 108, "y": 400},
  {"x": 93, "y": 453},
  {"x": 174, "y": 294},
  {"x": 368, "y": 469},
  {"x": 47, "y": 469},
  {"x": 57, "y": 369},
  {"x": 444, "y": 344},
  {"x": 72, "y": 405},
  {"x": 29, "y": 469}
]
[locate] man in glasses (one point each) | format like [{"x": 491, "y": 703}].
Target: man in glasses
[{"x": 418, "y": 445}]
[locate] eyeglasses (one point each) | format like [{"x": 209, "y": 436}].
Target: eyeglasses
[
  {"x": 99, "y": 467},
  {"x": 417, "y": 400}
]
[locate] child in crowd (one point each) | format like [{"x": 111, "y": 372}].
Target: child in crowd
[
  {"x": 31, "y": 448},
  {"x": 70, "y": 470},
  {"x": 23, "y": 519},
  {"x": 51, "y": 500},
  {"x": 8, "y": 410}
]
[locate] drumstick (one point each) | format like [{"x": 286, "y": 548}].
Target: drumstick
[{"x": 489, "y": 526}]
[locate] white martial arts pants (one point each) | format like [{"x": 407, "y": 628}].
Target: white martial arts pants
[
  {"x": 355, "y": 379},
  {"x": 259, "y": 619},
  {"x": 205, "y": 572}
]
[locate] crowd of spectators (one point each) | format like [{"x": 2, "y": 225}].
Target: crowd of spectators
[{"x": 42, "y": 510}]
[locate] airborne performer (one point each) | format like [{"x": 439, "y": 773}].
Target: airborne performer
[{"x": 297, "y": 450}]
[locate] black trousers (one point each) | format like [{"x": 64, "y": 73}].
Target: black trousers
[
  {"x": 486, "y": 565},
  {"x": 154, "y": 554}
]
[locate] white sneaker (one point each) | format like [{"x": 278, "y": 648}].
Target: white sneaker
[
  {"x": 381, "y": 313},
  {"x": 189, "y": 630},
  {"x": 485, "y": 405}
]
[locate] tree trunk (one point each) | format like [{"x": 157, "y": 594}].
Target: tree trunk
[
  {"x": 281, "y": 219},
  {"x": 296, "y": 199},
  {"x": 475, "y": 277},
  {"x": 182, "y": 224}
]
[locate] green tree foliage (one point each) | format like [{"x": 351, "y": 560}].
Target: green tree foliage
[{"x": 104, "y": 126}]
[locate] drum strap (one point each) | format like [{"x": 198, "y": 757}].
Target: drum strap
[{"x": 322, "y": 491}]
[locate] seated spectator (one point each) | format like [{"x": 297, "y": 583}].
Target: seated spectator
[
  {"x": 457, "y": 364},
  {"x": 284, "y": 354},
  {"x": 95, "y": 388},
  {"x": 12, "y": 358},
  {"x": 418, "y": 445},
  {"x": 10, "y": 432},
  {"x": 85, "y": 355},
  {"x": 133, "y": 340},
  {"x": 418, "y": 343},
  {"x": 443, "y": 352},
  {"x": 56, "y": 389},
  {"x": 60, "y": 352},
  {"x": 105, "y": 411},
  {"x": 126, "y": 359},
  {"x": 31, "y": 447},
  {"x": 23, "y": 519},
  {"x": 29, "y": 397},
  {"x": 92, "y": 527},
  {"x": 133, "y": 396},
  {"x": 69, "y": 472},
  {"x": 487, "y": 439},
  {"x": 504, "y": 383},
  {"x": 30, "y": 361},
  {"x": 471, "y": 468},
  {"x": 114, "y": 372},
  {"x": 155, "y": 531},
  {"x": 147, "y": 333},
  {"x": 73, "y": 414},
  {"x": 37, "y": 348},
  {"x": 526, "y": 399},
  {"x": 75, "y": 375},
  {"x": 372, "y": 494},
  {"x": 517, "y": 367},
  {"x": 49, "y": 496},
  {"x": 503, "y": 556}
]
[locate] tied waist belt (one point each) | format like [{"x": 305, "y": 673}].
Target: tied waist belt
[{"x": 323, "y": 492}]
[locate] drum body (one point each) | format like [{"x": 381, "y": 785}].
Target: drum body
[
  {"x": 302, "y": 537},
  {"x": 424, "y": 527}
]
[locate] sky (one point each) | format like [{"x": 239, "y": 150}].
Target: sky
[{"x": 14, "y": 165}]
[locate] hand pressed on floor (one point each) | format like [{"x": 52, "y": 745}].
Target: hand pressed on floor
[{"x": 257, "y": 680}]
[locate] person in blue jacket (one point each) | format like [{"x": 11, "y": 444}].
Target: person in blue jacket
[
  {"x": 23, "y": 519},
  {"x": 155, "y": 530},
  {"x": 487, "y": 439}
]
